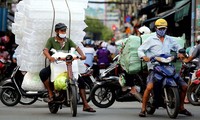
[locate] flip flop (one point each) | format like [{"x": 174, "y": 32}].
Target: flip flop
[
  {"x": 89, "y": 110},
  {"x": 50, "y": 99}
]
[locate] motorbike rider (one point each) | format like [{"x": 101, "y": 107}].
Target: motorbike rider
[
  {"x": 155, "y": 45},
  {"x": 194, "y": 53},
  {"x": 58, "y": 42}
]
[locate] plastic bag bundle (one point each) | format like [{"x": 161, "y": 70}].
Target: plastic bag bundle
[
  {"x": 34, "y": 23},
  {"x": 32, "y": 82},
  {"x": 60, "y": 81}
]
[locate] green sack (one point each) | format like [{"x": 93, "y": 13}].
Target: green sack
[
  {"x": 129, "y": 59},
  {"x": 60, "y": 81}
]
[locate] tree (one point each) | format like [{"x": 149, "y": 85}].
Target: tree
[{"x": 96, "y": 27}]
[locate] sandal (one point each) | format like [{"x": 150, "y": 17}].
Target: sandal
[
  {"x": 185, "y": 112},
  {"x": 142, "y": 114},
  {"x": 89, "y": 110},
  {"x": 50, "y": 99}
]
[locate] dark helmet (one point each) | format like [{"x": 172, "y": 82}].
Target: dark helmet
[
  {"x": 60, "y": 26},
  {"x": 88, "y": 41}
]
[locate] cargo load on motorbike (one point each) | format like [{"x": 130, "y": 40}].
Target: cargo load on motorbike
[{"x": 129, "y": 59}]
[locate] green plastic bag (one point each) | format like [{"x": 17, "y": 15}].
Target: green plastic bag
[{"x": 60, "y": 81}]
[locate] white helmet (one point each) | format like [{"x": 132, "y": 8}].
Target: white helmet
[
  {"x": 198, "y": 38},
  {"x": 104, "y": 44},
  {"x": 144, "y": 30}
]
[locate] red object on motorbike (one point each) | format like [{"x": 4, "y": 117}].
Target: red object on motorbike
[
  {"x": 2, "y": 65},
  {"x": 196, "y": 82},
  {"x": 198, "y": 73}
]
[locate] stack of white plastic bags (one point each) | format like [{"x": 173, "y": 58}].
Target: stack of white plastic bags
[{"x": 34, "y": 23}]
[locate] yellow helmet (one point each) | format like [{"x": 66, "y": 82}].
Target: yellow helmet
[{"x": 161, "y": 23}]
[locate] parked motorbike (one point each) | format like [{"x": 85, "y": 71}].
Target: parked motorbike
[
  {"x": 193, "y": 92},
  {"x": 12, "y": 93},
  {"x": 190, "y": 73},
  {"x": 108, "y": 89},
  {"x": 165, "y": 92}
]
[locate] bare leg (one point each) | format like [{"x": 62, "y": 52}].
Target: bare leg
[
  {"x": 47, "y": 86},
  {"x": 86, "y": 106},
  {"x": 83, "y": 97},
  {"x": 146, "y": 96},
  {"x": 182, "y": 97},
  {"x": 137, "y": 95}
]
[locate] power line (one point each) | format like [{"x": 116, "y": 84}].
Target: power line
[{"x": 97, "y": 2}]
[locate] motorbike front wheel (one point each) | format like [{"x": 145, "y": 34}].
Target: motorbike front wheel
[
  {"x": 173, "y": 103},
  {"x": 193, "y": 94},
  {"x": 73, "y": 99},
  {"x": 102, "y": 96},
  {"x": 10, "y": 96},
  {"x": 150, "y": 108},
  {"x": 53, "y": 107}
]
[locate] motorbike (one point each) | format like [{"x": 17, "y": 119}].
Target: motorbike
[
  {"x": 189, "y": 73},
  {"x": 68, "y": 94},
  {"x": 107, "y": 89},
  {"x": 187, "y": 70},
  {"x": 12, "y": 93},
  {"x": 166, "y": 91},
  {"x": 193, "y": 92}
]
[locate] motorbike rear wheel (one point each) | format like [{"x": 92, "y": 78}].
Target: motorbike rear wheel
[
  {"x": 192, "y": 95},
  {"x": 173, "y": 103},
  {"x": 73, "y": 99},
  {"x": 102, "y": 96},
  {"x": 10, "y": 96}
]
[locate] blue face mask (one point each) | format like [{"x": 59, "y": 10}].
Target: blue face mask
[{"x": 161, "y": 32}]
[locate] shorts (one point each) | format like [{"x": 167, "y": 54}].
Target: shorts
[
  {"x": 45, "y": 73},
  {"x": 81, "y": 83},
  {"x": 130, "y": 79},
  {"x": 150, "y": 79}
]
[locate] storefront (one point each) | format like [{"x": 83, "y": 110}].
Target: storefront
[{"x": 197, "y": 21}]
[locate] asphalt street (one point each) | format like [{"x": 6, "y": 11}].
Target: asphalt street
[{"x": 118, "y": 111}]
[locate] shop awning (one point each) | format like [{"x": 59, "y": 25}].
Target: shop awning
[
  {"x": 180, "y": 10},
  {"x": 147, "y": 9}
]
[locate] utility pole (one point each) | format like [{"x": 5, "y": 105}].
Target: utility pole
[{"x": 193, "y": 22}]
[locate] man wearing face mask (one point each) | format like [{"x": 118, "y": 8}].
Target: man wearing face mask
[
  {"x": 155, "y": 45},
  {"x": 59, "y": 42}
]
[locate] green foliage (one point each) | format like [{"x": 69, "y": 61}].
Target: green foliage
[
  {"x": 96, "y": 26},
  {"x": 107, "y": 34}
]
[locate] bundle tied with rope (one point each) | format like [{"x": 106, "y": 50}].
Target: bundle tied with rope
[{"x": 34, "y": 23}]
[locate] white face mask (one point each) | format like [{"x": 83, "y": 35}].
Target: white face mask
[{"x": 62, "y": 35}]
